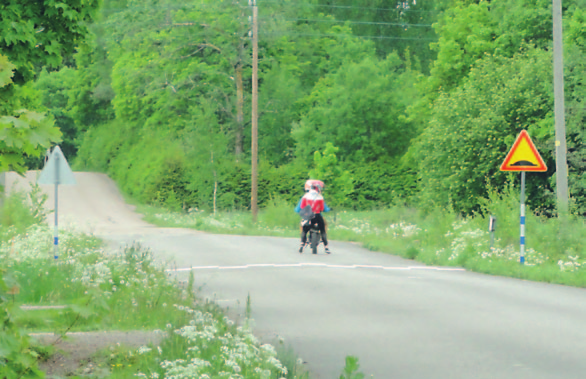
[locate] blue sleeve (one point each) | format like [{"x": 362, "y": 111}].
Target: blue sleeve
[
  {"x": 326, "y": 208},
  {"x": 298, "y": 207}
]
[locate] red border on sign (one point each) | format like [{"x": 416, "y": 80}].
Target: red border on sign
[{"x": 541, "y": 164}]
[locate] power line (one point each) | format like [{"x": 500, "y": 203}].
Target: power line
[
  {"x": 361, "y": 22},
  {"x": 193, "y": 6},
  {"x": 379, "y": 37},
  {"x": 348, "y": 35},
  {"x": 348, "y": 7}
]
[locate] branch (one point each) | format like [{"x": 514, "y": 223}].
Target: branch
[
  {"x": 210, "y": 45},
  {"x": 170, "y": 85},
  {"x": 201, "y": 47}
]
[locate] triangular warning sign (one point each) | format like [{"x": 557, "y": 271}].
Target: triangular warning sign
[
  {"x": 523, "y": 156},
  {"x": 57, "y": 170}
]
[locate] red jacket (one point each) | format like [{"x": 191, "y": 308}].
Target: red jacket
[{"x": 315, "y": 200}]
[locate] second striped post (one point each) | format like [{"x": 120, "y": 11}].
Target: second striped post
[{"x": 522, "y": 234}]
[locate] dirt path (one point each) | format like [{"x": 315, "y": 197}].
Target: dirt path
[
  {"x": 74, "y": 354},
  {"x": 94, "y": 205}
]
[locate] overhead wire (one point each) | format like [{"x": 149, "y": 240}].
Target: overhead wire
[
  {"x": 295, "y": 4},
  {"x": 347, "y": 7},
  {"x": 360, "y": 22},
  {"x": 347, "y": 35},
  {"x": 169, "y": 7},
  {"x": 163, "y": 56}
]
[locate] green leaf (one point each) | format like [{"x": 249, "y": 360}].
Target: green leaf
[
  {"x": 6, "y": 71},
  {"x": 84, "y": 311}
]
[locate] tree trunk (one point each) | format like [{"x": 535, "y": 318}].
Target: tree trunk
[{"x": 239, "y": 112}]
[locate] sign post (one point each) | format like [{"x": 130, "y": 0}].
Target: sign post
[
  {"x": 56, "y": 172},
  {"x": 2, "y": 187},
  {"x": 522, "y": 213},
  {"x": 523, "y": 157},
  {"x": 491, "y": 229}
]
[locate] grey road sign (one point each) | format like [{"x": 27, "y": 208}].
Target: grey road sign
[{"x": 57, "y": 170}]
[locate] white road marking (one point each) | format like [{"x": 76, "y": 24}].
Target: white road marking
[
  {"x": 312, "y": 264},
  {"x": 37, "y": 307}
]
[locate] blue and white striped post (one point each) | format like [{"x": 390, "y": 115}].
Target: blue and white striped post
[
  {"x": 56, "y": 232},
  {"x": 522, "y": 234},
  {"x": 56, "y": 172}
]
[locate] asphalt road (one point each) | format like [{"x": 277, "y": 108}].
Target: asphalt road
[{"x": 402, "y": 319}]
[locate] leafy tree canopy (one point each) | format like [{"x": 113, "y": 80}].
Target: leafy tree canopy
[
  {"x": 35, "y": 34},
  {"x": 472, "y": 128},
  {"x": 359, "y": 108},
  {"x": 42, "y": 33},
  {"x": 22, "y": 133}
]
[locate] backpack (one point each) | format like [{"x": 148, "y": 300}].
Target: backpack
[{"x": 306, "y": 213}]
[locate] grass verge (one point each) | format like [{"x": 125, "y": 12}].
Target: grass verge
[
  {"x": 556, "y": 249},
  {"x": 128, "y": 290},
  {"x": 115, "y": 290}
]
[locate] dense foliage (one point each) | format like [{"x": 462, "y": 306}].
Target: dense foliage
[
  {"x": 415, "y": 102},
  {"x": 35, "y": 34}
]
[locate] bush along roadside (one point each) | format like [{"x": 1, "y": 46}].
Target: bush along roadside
[
  {"x": 18, "y": 352},
  {"x": 18, "y": 356}
]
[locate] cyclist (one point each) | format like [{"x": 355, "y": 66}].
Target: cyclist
[
  {"x": 314, "y": 199},
  {"x": 307, "y": 188}
]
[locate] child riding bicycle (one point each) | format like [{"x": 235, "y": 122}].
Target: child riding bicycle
[{"x": 314, "y": 203}]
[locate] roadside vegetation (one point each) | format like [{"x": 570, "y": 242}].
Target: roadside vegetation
[
  {"x": 556, "y": 250},
  {"x": 406, "y": 114},
  {"x": 91, "y": 288},
  {"x": 408, "y": 109},
  {"x": 413, "y": 103},
  {"x": 405, "y": 111}
]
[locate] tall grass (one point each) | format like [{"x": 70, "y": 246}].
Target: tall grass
[
  {"x": 129, "y": 290},
  {"x": 277, "y": 219},
  {"x": 20, "y": 210}
]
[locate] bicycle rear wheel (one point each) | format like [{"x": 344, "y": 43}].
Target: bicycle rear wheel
[{"x": 315, "y": 237}]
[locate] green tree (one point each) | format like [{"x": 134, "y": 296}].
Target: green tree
[
  {"x": 360, "y": 108},
  {"x": 281, "y": 90},
  {"x": 466, "y": 32},
  {"x": 403, "y": 27},
  {"x": 54, "y": 89},
  {"x": 42, "y": 33},
  {"x": 35, "y": 34},
  {"x": 338, "y": 182},
  {"x": 22, "y": 133},
  {"x": 90, "y": 94},
  {"x": 473, "y": 127},
  {"x": 575, "y": 74},
  {"x": 17, "y": 358}
]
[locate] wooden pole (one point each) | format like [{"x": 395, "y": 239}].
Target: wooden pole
[
  {"x": 254, "y": 189},
  {"x": 559, "y": 111},
  {"x": 2, "y": 188}
]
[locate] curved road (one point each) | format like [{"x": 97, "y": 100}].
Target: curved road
[{"x": 402, "y": 319}]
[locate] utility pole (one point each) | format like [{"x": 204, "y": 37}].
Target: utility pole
[
  {"x": 560, "y": 123},
  {"x": 254, "y": 190},
  {"x": 2, "y": 188}
]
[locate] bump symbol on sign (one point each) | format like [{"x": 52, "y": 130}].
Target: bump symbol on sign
[{"x": 523, "y": 156}]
